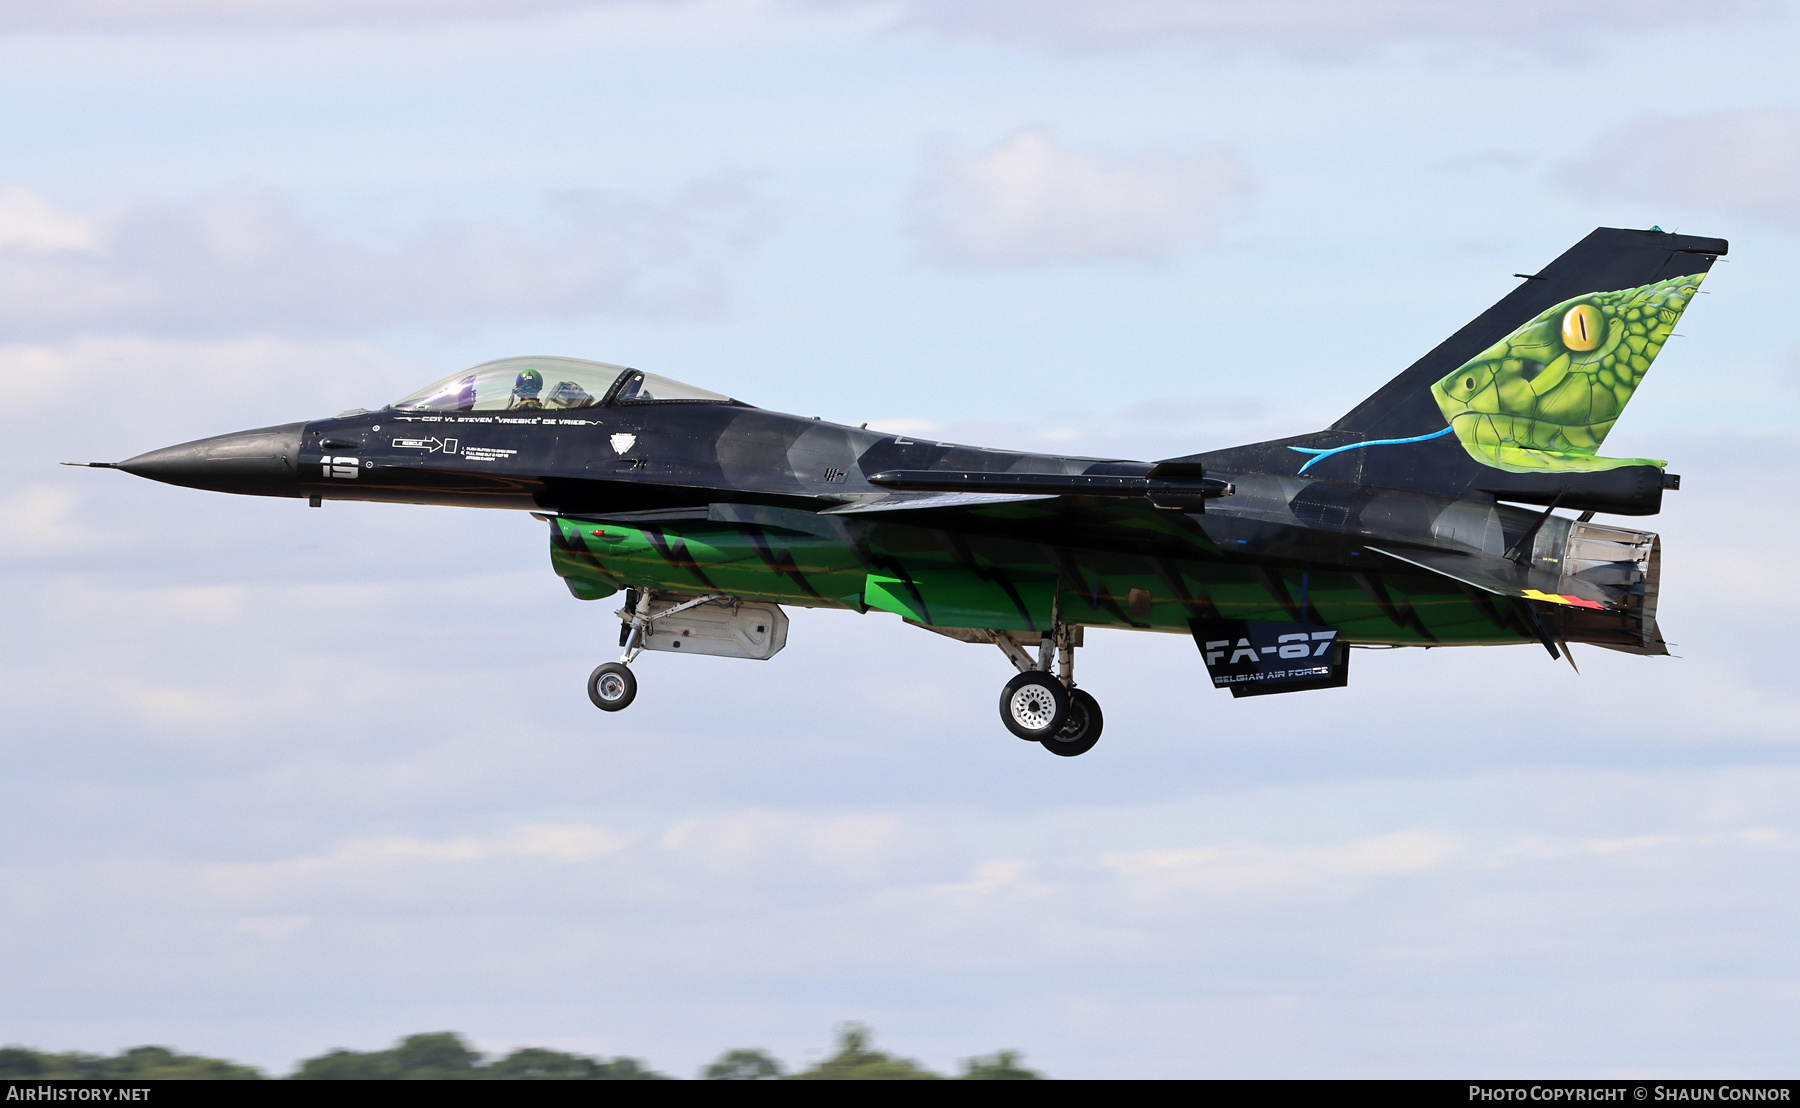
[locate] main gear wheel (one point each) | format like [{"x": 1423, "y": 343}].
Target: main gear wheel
[{"x": 1034, "y": 705}]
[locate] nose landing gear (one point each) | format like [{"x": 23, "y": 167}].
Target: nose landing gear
[
  {"x": 1047, "y": 708},
  {"x": 612, "y": 687}
]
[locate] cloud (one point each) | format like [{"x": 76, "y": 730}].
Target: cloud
[
  {"x": 155, "y": 377},
  {"x": 1029, "y": 201},
  {"x": 1308, "y": 25},
  {"x": 1537, "y": 849},
  {"x": 374, "y": 863},
  {"x": 779, "y": 846},
  {"x": 209, "y": 15},
  {"x": 30, "y": 222},
  {"x": 39, "y": 519},
  {"x": 250, "y": 262},
  {"x": 1744, "y": 163},
  {"x": 1254, "y": 868},
  {"x": 1158, "y": 428}
]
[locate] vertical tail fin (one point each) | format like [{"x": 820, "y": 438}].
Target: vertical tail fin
[
  {"x": 1519, "y": 400},
  {"x": 1544, "y": 397},
  {"x": 1610, "y": 268}
]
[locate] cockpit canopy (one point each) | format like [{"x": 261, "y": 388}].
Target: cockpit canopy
[{"x": 548, "y": 384}]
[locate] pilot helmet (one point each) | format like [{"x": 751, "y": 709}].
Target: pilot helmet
[{"x": 528, "y": 383}]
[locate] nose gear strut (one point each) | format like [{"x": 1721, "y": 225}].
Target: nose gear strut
[{"x": 612, "y": 686}]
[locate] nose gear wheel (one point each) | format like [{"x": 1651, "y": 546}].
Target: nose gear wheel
[{"x": 612, "y": 687}]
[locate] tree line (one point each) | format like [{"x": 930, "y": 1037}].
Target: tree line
[{"x": 446, "y": 1055}]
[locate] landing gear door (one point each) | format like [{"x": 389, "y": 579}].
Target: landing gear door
[
  {"x": 723, "y": 628},
  {"x": 1254, "y": 658}
]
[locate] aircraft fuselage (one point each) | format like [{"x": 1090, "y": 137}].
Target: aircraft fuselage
[
  {"x": 1426, "y": 516},
  {"x": 727, "y": 498}
]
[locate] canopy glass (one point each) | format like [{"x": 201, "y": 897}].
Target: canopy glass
[{"x": 548, "y": 384}]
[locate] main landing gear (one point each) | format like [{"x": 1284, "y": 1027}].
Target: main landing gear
[{"x": 1047, "y": 708}]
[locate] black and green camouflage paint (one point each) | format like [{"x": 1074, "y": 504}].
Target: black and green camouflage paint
[{"x": 955, "y": 579}]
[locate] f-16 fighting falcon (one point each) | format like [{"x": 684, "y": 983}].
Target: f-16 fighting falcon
[{"x": 1427, "y": 516}]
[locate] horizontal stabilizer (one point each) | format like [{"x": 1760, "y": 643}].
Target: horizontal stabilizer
[
  {"x": 1651, "y": 643},
  {"x": 912, "y": 501},
  {"x": 1504, "y": 578}
]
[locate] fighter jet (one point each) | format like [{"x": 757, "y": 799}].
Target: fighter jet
[{"x": 1426, "y": 517}]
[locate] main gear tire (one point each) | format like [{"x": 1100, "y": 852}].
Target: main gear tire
[
  {"x": 1033, "y": 705},
  {"x": 1081, "y": 730},
  {"x": 612, "y": 687}
]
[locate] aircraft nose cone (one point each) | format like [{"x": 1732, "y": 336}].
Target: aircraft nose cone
[{"x": 263, "y": 462}]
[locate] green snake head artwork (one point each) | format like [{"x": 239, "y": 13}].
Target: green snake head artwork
[{"x": 1543, "y": 398}]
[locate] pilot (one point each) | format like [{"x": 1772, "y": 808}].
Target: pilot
[{"x": 526, "y": 387}]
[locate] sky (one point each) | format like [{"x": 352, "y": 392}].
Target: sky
[{"x": 282, "y": 780}]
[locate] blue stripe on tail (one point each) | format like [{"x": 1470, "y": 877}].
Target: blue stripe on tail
[{"x": 1321, "y": 455}]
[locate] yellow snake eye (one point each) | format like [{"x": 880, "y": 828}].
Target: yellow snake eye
[{"x": 1583, "y": 327}]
